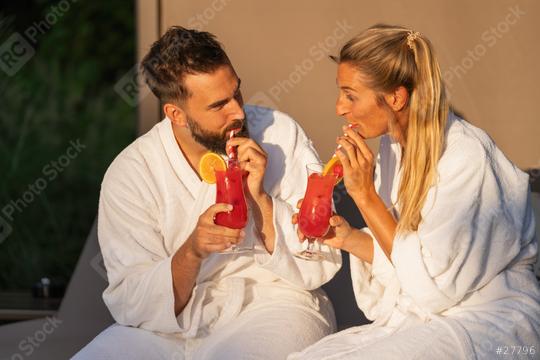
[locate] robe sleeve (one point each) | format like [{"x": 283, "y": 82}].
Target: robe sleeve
[
  {"x": 285, "y": 195},
  {"x": 371, "y": 281},
  {"x": 140, "y": 290},
  {"x": 470, "y": 230}
]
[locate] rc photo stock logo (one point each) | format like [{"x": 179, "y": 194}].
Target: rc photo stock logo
[
  {"x": 14, "y": 53},
  {"x": 129, "y": 86}
]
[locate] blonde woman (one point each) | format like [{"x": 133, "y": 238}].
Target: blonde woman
[{"x": 444, "y": 266}]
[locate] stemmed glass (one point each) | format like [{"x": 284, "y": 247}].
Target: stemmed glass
[
  {"x": 230, "y": 190},
  {"x": 316, "y": 210}
]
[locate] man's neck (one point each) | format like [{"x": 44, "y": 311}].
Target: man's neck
[{"x": 192, "y": 150}]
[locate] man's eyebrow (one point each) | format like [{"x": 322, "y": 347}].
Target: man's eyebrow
[{"x": 222, "y": 102}]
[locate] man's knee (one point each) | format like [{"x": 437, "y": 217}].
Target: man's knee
[{"x": 126, "y": 342}]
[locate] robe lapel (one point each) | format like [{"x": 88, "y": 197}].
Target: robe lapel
[{"x": 178, "y": 162}]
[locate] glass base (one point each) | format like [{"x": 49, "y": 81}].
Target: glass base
[
  {"x": 311, "y": 255},
  {"x": 236, "y": 250}
]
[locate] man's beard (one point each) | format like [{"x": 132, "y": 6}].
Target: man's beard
[{"x": 216, "y": 142}]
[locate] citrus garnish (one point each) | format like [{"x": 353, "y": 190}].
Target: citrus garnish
[
  {"x": 333, "y": 167},
  {"x": 210, "y": 162}
]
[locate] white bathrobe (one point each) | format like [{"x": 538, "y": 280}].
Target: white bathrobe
[
  {"x": 150, "y": 202},
  {"x": 462, "y": 285}
]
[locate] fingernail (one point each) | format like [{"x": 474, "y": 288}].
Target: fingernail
[
  {"x": 242, "y": 233},
  {"x": 229, "y": 207}
]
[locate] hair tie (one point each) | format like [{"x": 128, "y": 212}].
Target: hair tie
[{"x": 413, "y": 35}]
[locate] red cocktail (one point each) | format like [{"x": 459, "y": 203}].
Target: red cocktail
[
  {"x": 230, "y": 190},
  {"x": 316, "y": 209}
]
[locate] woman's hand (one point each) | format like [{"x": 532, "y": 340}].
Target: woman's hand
[
  {"x": 358, "y": 164},
  {"x": 338, "y": 235}
]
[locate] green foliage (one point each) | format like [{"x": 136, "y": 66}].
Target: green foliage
[{"x": 64, "y": 93}]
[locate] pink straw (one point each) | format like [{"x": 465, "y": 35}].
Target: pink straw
[{"x": 232, "y": 152}]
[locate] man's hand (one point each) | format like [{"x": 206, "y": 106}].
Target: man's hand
[
  {"x": 252, "y": 159},
  {"x": 208, "y": 237}
]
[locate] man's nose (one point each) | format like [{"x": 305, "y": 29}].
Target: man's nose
[{"x": 237, "y": 110}]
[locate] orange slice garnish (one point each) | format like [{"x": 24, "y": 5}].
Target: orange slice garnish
[
  {"x": 334, "y": 167},
  {"x": 210, "y": 162}
]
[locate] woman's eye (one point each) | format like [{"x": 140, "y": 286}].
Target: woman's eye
[{"x": 350, "y": 98}]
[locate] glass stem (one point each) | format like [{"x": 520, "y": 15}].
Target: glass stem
[{"x": 311, "y": 243}]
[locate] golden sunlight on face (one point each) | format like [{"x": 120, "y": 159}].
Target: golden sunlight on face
[
  {"x": 358, "y": 103},
  {"x": 216, "y": 100}
]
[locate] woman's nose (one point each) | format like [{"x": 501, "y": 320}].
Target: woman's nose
[{"x": 341, "y": 108}]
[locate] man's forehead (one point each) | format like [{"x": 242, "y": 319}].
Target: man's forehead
[{"x": 212, "y": 86}]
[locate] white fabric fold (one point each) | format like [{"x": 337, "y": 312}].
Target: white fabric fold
[
  {"x": 150, "y": 203},
  {"x": 466, "y": 272}
]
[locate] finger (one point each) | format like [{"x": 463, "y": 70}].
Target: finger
[
  {"x": 218, "y": 247},
  {"x": 252, "y": 155},
  {"x": 299, "y": 203},
  {"x": 217, "y": 208},
  {"x": 219, "y": 230},
  {"x": 294, "y": 219},
  {"x": 237, "y": 141},
  {"x": 336, "y": 220},
  {"x": 255, "y": 166},
  {"x": 349, "y": 148},
  {"x": 214, "y": 239},
  {"x": 301, "y": 236},
  {"x": 345, "y": 162},
  {"x": 360, "y": 143},
  {"x": 244, "y": 144}
]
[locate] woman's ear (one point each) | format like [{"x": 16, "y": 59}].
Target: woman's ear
[
  {"x": 176, "y": 114},
  {"x": 398, "y": 99}
]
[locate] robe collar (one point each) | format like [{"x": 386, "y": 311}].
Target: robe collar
[{"x": 178, "y": 161}]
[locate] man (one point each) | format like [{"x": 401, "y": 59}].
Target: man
[{"x": 171, "y": 292}]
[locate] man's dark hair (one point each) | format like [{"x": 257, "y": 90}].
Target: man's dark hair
[{"x": 180, "y": 52}]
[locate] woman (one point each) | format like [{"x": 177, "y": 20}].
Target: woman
[{"x": 444, "y": 267}]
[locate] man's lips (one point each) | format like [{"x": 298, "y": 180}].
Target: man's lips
[{"x": 234, "y": 131}]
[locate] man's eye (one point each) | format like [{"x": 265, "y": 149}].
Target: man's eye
[{"x": 218, "y": 107}]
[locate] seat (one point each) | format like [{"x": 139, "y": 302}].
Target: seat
[{"x": 81, "y": 316}]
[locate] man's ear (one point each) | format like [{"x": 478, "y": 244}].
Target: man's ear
[
  {"x": 176, "y": 114},
  {"x": 398, "y": 99}
]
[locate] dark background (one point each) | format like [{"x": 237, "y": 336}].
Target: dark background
[{"x": 64, "y": 93}]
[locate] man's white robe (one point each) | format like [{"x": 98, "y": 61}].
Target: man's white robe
[
  {"x": 462, "y": 285},
  {"x": 150, "y": 202}
]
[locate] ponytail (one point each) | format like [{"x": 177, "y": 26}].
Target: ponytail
[{"x": 393, "y": 56}]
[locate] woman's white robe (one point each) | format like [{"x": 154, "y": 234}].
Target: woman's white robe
[
  {"x": 462, "y": 285},
  {"x": 150, "y": 202}
]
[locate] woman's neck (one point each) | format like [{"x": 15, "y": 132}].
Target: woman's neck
[{"x": 398, "y": 127}]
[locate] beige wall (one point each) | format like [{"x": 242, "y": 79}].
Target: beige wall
[{"x": 488, "y": 51}]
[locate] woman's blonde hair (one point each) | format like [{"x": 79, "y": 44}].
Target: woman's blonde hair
[{"x": 393, "y": 56}]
